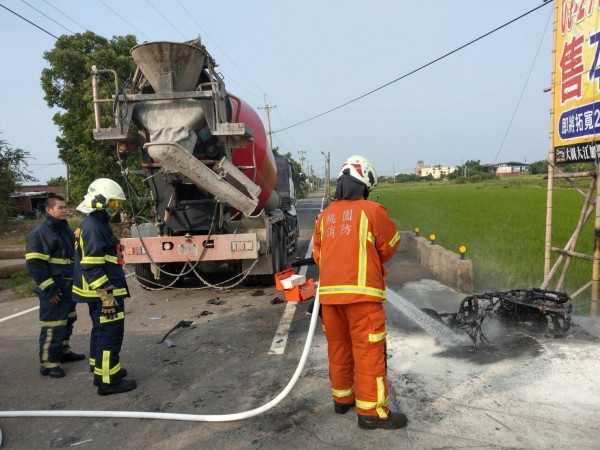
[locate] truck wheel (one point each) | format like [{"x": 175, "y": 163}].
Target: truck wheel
[
  {"x": 146, "y": 277},
  {"x": 276, "y": 258}
]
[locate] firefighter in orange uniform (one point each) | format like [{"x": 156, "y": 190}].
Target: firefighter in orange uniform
[{"x": 353, "y": 238}]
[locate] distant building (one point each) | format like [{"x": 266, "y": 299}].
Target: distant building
[
  {"x": 32, "y": 199},
  {"x": 436, "y": 171},
  {"x": 508, "y": 169}
]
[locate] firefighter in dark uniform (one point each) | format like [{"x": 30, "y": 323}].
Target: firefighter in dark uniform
[
  {"x": 49, "y": 261},
  {"x": 99, "y": 281}
]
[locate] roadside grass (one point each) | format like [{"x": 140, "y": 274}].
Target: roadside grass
[
  {"x": 20, "y": 284},
  {"x": 502, "y": 223}
]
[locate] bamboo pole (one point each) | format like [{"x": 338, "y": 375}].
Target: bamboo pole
[
  {"x": 596, "y": 263},
  {"x": 548, "y": 242},
  {"x": 569, "y": 248}
]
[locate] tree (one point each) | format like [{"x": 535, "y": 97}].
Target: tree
[
  {"x": 67, "y": 86},
  {"x": 13, "y": 173},
  {"x": 538, "y": 167},
  {"x": 57, "y": 181}
]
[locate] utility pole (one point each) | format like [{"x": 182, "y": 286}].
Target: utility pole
[
  {"x": 302, "y": 158},
  {"x": 327, "y": 174},
  {"x": 68, "y": 184},
  {"x": 394, "y": 170},
  {"x": 267, "y": 109}
]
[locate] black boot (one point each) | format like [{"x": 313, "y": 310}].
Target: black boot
[
  {"x": 71, "y": 357},
  {"x": 54, "y": 372},
  {"x": 123, "y": 386},
  {"x": 342, "y": 408},
  {"x": 393, "y": 422},
  {"x": 122, "y": 374}
]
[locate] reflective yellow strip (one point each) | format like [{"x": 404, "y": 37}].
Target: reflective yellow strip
[
  {"x": 59, "y": 261},
  {"x": 53, "y": 323},
  {"x": 323, "y": 326},
  {"x": 46, "y": 346},
  {"x": 105, "y": 373},
  {"x": 342, "y": 392},
  {"x": 99, "y": 282},
  {"x": 46, "y": 283},
  {"x": 92, "y": 293},
  {"x": 395, "y": 239},
  {"x": 381, "y": 399},
  {"x": 370, "y": 237},
  {"x": 112, "y": 259},
  {"x": 113, "y": 371},
  {"x": 362, "y": 249},
  {"x": 34, "y": 255},
  {"x": 72, "y": 315},
  {"x": 328, "y": 290},
  {"x": 92, "y": 361},
  {"x": 120, "y": 316},
  {"x": 377, "y": 337},
  {"x": 92, "y": 260}
]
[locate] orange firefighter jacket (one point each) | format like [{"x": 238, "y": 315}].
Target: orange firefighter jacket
[{"x": 351, "y": 242}]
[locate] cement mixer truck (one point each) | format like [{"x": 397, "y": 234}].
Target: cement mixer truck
[{"x": 219, "y": 198}]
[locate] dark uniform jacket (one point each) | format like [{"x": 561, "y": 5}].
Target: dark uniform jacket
[
  {"x": 97, "y": 263},
  {"x": 49, "y": 257}
]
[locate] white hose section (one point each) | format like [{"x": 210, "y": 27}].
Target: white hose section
[{"x": 188, "y": 417}]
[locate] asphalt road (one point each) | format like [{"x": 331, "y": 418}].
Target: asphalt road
[{"x": 544, "y": 394}]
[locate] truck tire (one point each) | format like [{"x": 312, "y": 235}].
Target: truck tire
[
  {"x": 277, "y": 248},
  {"x": 146, "y": 279}
]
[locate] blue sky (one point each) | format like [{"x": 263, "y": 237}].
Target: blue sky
[{"x": 485, "y": 102}]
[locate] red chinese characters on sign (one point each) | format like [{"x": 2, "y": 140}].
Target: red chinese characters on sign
[
  {"x": 575, "y": 11},
  {"x": 571, "y": 67}
]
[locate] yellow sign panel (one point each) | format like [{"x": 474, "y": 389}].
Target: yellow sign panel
[{"x": 577, "y": 81}]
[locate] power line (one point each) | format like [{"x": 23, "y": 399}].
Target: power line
[
  {"x": 222, "y": 51},
  {"x": 30, "y": 22},
  {"x": 417, "y": 69},
  {"x": 47, "y": 16},
  {"x": 523, "y": 90},
  {"x": 166, "y": 20},
  {"x": 68, "y": 17},
  {"x": 124, "y": 20}
]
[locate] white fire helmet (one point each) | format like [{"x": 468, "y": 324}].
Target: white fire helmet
[
  {"x": 103, "y": 193},
  {"x": 359, "y": 168}
]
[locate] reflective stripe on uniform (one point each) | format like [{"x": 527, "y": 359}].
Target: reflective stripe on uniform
[
  {"x": 92, "y": 259},
  {"x": 343, "y": 392},
  {"x": 46, "y": 346},
  {"x": 381, "y": 399},
  {"x": 377, "y": 337},
  {"x": 93, "y": 294},
  {"x": 120, "y": 316},
  {"x": 53, "y": 323},
  {"x": 395, "y": 239},
  {"x": 34, "y": 255},
  {"x": 45, "y": 284},
  {"x": 362, "y": 249},
  {"x": 60, "y": 261},
  {"x": 348, "y": 289},
  {"x": 111, "y": 259},
  {"x": 99, "y": 282},
  {"x": 92, "y": 362},
  {"x": 105, "y": 372}
]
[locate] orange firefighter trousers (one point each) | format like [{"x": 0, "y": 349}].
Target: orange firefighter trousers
[{"x": 357, "y": 356}]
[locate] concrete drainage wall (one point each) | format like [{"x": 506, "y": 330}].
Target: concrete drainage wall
[{"x": 444, "y": 264}]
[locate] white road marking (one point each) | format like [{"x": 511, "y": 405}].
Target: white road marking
[
  {"x": 19, "y": 314},
  {"x": 281, "y": 335}
]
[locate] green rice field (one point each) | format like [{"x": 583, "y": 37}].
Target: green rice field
[{"x": 502, "y": 223}]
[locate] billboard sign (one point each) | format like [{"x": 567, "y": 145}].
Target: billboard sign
[{"x": 576, "y": 101}]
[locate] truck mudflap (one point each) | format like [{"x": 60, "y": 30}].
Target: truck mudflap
[{"x": 165, "y": 249}]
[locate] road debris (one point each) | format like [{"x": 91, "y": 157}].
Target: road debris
[
  {"x": 182, "y": 323},
  {"x": 529, "y": 308},
  {"x": 215, "y": 301}
]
